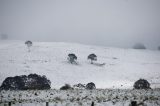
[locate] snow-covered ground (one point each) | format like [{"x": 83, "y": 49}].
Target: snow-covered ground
[
  {"x": 123, "y": 66},
  {"x": 100, "y": 97}
]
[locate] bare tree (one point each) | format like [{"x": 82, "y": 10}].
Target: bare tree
[{"x": 29, "y": 44}]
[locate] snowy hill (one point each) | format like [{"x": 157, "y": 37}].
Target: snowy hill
[{"x": 123, "y": 66}]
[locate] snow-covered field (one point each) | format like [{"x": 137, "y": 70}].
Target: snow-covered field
[
  {"x": 100, "y": 97},
  {"x": 123, "y": 67}
]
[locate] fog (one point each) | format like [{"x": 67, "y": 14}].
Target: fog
[{"x": 119, "y": 23}]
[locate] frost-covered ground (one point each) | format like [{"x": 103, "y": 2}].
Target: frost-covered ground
[
  {"x": 123, "y": 66},
  {"x": 100, "y": 97}
]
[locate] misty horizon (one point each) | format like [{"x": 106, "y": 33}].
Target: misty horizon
[{"x": 119, "y": 23}]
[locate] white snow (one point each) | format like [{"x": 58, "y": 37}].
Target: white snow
[
  {"x": 123, "y": 66},
  {"x": 100, "y": 97}
]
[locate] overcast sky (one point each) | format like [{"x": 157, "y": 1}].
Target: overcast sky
[{"x": 100, "y": 22}]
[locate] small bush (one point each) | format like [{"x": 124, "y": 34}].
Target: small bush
[
  {"x": 23, "y": 82},
  {"x": 79, "y": 86},
  {"x": 142, "y": 84},
  {"x": 139, "y": 46},
  {"x": 159, "y": 48},
  {"x": 66, "y": 87},
  {"x": 90, "y": 86}
]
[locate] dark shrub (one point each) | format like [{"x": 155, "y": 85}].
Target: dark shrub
[
  {"x": 142, "y": 84},
  {"x": 159, "y": 48},
  {"x": 139, "y": 46},
  {"x": 66, "y": 87},
  {"x": 13, "y": 83},
  {"x": 133, "y": 103},
  {"x": 72, "y": 57},
  {"x": 32, "y": 81},
  {"x": 90, "y": 86},
  {"x": 92, "y": 57},
  {"x": 79, "y": 86},
  {"x": 37, "y": 82}
]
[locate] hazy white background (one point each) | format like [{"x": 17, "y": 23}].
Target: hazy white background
[{"x": 100, "y": 22}]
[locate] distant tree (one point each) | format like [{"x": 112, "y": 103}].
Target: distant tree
[
  {"x": 4, "y": 36},
  {"x": 29, "y": 44},
  {"x": 158, "y": 47},
  {"x": 72, "y": 57},
  {"x": 66, "y": 87},
  {"x": 139, "y": 46},
  {"x": 90, "y": 86},
  {"x": 92, "y": 57},
  {"x": 142, "y": 84}
]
